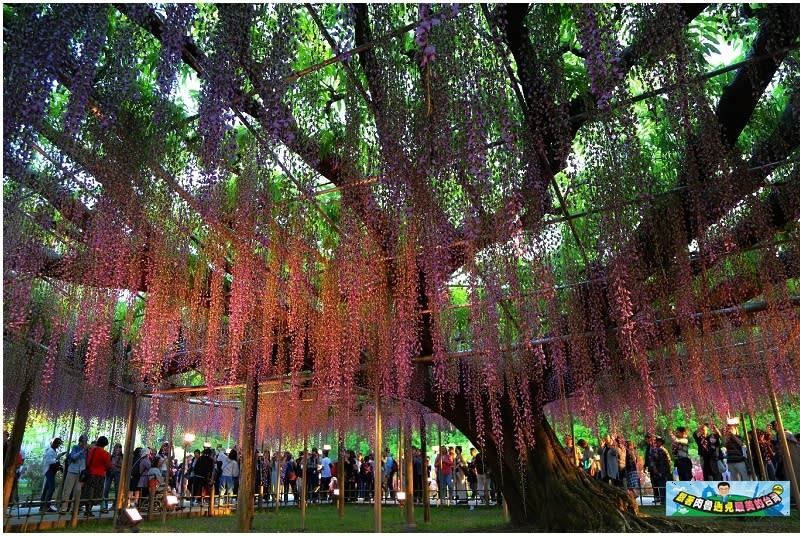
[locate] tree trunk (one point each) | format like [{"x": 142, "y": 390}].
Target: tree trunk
[
  {"x": 550, "y": 494},
  {"x": 247, "y": 457},
  {"x": 537, "y": 496},
  {"x": 15, "y": 440}
]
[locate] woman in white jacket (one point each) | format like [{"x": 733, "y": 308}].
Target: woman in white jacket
[{"x": 230, "y": 470}]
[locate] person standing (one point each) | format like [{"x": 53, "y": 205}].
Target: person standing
[
  {"x": 202, "y": 475},
  {"x": 460, "y": 474},
  {"x": 76, "y": 462},
  {"x": 680, "y": 450},
  {"x": 325, "y": 474},
  {"x": 480, "y": 474},
  {"x": 632, "y": 469},
  {"x": 350, "y": 477},
  {"x": 609, "y": 462},
  {"x": 230, "y": 469},
  {"x": 734, "y": 453},
  {"x": 418, "y": 472},
  {"x": 51, "y": 466},
  {"x": 219, "y": 460},
  {"x": 290, "y": 479},
  {"x": 312, "y": 475},
  {"x": 708, "y": 444},
  {"x": 781, "y": 466},
  {"x": 389, "y": 470},
  {"x": 444, "y": 465},
  {"x": 98, "y": 463},
  {"x": 112, "y": 476},
  {"x": 767, "y": 454},
  {"x": 660, "y": 469}
]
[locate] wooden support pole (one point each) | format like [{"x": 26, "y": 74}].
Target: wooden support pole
[
  {"x": 127, "y": 460},
  {"x": 378, "y": 469},
  {"x": 398, "y": 457},
  {"x": 575, "y": 453},
  {"x": 170, "y": 455},
  {"x": 244, "y": 501},
  {"x": 423, "y": 445},
  {"x": 340, "y": 475},
  {"x": 761, "y": 465},
  {"x": 748, "y": 461},
  {"x": 408, "y": 451},
  {"x": 439, "y": 468},
  {"x": 113, "y": 433},
  {"x": 278, "y": 464},
  {"x": 69, "y": 446},
  {"x": 303, "y": 491},
  {"x": 787, "y": 454}
]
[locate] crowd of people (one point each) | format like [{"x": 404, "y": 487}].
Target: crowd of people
[
  {"x": 722, "y": 454},
  {"x": 91, "y": 472}
]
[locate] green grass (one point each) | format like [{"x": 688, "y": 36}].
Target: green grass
[
  {"x": 787, "y": 524},
  {"x": 359, "y": 518},
  {"x": 325, "y": 518}
]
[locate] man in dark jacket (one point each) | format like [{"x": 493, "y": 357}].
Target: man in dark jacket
[
  {"x": 201, "y": 481},
  {"x": 708, "y": 444}
]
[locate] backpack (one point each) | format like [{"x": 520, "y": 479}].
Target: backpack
[{"x": 136, "y": 472}]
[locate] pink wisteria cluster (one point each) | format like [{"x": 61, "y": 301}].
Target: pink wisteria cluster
[{"x": 417, "y": 251}]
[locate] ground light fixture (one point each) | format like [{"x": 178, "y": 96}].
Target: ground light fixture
[{"x": 171, "y": 501}]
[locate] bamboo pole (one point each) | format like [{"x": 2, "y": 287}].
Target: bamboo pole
[
  {"x": 279, "y": 463},
  {"x": 409, "y": 465},
  {"x": 787, "y": 454},
  {"x": 423, "y": 445},
  {"x": 749, "y": 459},
  {"x": 113, "y": 433},
  {"x": 378, "y": 472},
  {"x": 439, "y": 468},
  {"x": 69, "y": 446},
  {"x": 340, "y": 478},
  {"x": 170, "y": 454},
  {"x": 127, "y": 461},
  {"x": 761, "y": 465},
  {"x": 398, "y": 456},
  {"x": 577, "y": 456},
  {"x": 303, "y": 492}
]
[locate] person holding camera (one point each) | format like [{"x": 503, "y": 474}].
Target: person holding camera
[
  {"x": 680, "y": 450},
  {"x": 51, "y": 466},
  {"x": 708, "y": 444},
  {"x": 734, "y": 451}
]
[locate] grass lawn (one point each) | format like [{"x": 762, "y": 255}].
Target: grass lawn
[
  {"x": 325, "y": 518},
  {"x": 359, "y": 518}
]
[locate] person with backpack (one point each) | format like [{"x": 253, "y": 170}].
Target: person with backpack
[
  {"x": 76, "y": 462},
  {"x": 139, "y": 478},
  {"x": 290, "y": 479}
]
